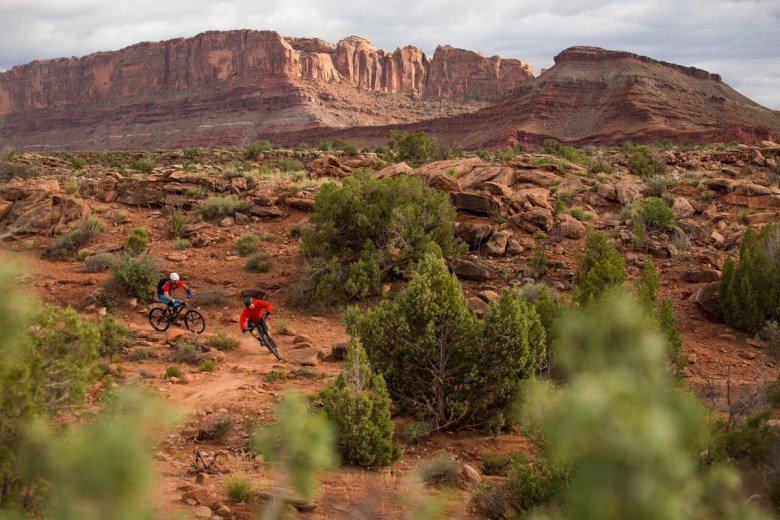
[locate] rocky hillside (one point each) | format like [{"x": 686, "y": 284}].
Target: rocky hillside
[
  {"x": 227, "y": 88},
  {"x": 602, "y": 97},
  {"x": 508, "y": 212}
]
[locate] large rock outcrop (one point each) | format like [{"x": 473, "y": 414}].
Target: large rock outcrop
[{"x": 227, "y": 88}]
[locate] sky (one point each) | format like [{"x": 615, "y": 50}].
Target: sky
[{"x": 738, "y": 39}]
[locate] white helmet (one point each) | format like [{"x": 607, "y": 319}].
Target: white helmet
[{"x": 174, "y": 277}]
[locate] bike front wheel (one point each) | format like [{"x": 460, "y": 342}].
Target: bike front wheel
[
  {"x": 270, "y": 344},
  {"x": 158, "y": 319},
  {"x": 194, "y": 321}
]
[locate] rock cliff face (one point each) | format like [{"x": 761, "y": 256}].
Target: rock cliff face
[
  {"x": 593, "y": 95},
  {"x": 228, "y": 88}
]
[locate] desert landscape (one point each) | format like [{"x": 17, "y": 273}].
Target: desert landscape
[{"x": 213, "y": 157}]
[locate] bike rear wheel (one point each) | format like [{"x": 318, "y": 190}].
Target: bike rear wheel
[
  {"x": 158, "y": 319},
  {"x": 194, "y": 321}
]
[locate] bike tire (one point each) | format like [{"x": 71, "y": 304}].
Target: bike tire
[
  {"x": 158, "y": 319},
  {"x": 194, "y": 321},
  {"x": 270, "y": 344}
]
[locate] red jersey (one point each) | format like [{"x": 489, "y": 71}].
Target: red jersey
[
  {"x": 169, "y": 287},
  {"x": 255, "y": 314}
]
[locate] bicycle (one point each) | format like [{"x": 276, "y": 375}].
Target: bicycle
[
  {"x": 160, "y": 318},
  {"x": 260, "y": 332}
]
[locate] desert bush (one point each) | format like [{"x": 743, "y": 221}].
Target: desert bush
[
  {"x": 140, "y": 353},
  {"x": 136, "y": 241},
  {"x": 253, "y": 150},
  {"x": 214, "y": 208},
  {"x": 750, "y": 290},
  {"x": 580, "y": 214},
  {"x": 418, "y": 148},
  {"x": 173, "y": 371},
  {"x": 442, "y": 469},
  {"x": 177, "y": 221},
  {"x": 222, "y": 341},
  {"x": 45, "y": 369},
  {"x": 275, "y": 375},
  {"x": 216, "y": 297},
  {"x": 186, "y": 353},
  {"x": 654, "y": 214},
  {"x": 136, "y": 278},
  {"x": 215, "y": 428},
  {"x": 657, "y": 185},
  {"x": 258, "y": 262},
  {"x": 302, "y": 442},
  {"x": 238, "y": 489},
  {"x": 539, "y": 262},
  {"x": 248, "y": 243},
  {"x": 602, "y": 422},
  {"x": 10, "y": 170},
  {"x": 114, "y": 337},
  {"x": 208, "y": 365},
  {"x": 100, "y": 262},
  {"x": 416, "y": 431},
  {"x": 442, "y": 364},
  {"x": 600, "y": 268},
  {"x": 77, "y": 236},
  {"x": 370, "y": 230},
  {"x": 358, "y": 406},
  {"x": 181, "y": 244},
  {"x": 532, "y": 485},
  {"x": 643, "y": 164},
  {"x": 144, "y": 165},
  {"x": 289, "y": 165}
]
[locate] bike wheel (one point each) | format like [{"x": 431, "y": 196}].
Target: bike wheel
[
  {"x": 194, "y": 321},
  {"x": 158, "y": 319},
  {"x": 270, "y": 344}
]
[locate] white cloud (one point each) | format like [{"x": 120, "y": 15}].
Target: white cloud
[{"x": 738, "y": 39}]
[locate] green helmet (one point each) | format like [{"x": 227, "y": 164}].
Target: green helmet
[{"x": 247, "y": 301}]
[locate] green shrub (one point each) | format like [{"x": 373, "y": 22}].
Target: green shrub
[
  {"x": 603, "y": 422},
  {"x": 289, "y": 165},
  {"x": 258, "y": 263},
  {"x": 239, "y": 490},
  {"x": 216, "y": 428},
  {"x": 654, "y": 214},
  {"x": 114, "y": 337},
  {"x": 282, "y": 327},
  {"x": 530, "y": 486},
  {"x": 419, "y": 148},
  {"x": 497, "y": 464},
  {"x": 275, "y": 375},
  {"x": 136, "y": 241},
  {"x": 416, "y": 431},
  {"x": 100, "y": 262},
  {"x": 370, "y": 230},
  {"x": 643, "y": 164},
  {"x": 140, "y": 354},
  {"x": 214, "y": 208},
  {"x": 599, "y": 269},
  {"x": 248, "y": 243},
  {"x": 181, "y": 243},
  {"x": 358, "y": 406},
  {"x": 208, "y": 365},
  {"x": 173, "y": 371},
  {"x": 144, "y": 165},
  {"x": 442, "y": 469},
  {"x": 657, "y": 185},
  {"x": 77, "y": 236},
  {"x": 253, "y": 150},
  {"x": 750, "y": 290},
  {"x": 773, "y": 393},
  {"x": 177, "y": 221},
  {"x": 345, "y": 146},
  {"x": 136, "y": 278},
  {"x": 580, "y": 214},
  {"x": 10, "y": 170},
  {"x": 222, "y": 341},
  {"x": 442, "y": 364},
  {"x": 186, "y": 353}
]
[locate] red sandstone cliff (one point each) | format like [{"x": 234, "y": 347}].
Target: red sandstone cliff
[
  {"x": 593, "y": 95},
  {"x": 227, "y": 88}
]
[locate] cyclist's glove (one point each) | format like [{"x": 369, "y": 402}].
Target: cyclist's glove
[
  {"x": 243, "y": 331},
  {"x": 189, "y": 294}
]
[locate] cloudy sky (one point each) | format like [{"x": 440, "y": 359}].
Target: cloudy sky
[{"x": 738, "y": 39}]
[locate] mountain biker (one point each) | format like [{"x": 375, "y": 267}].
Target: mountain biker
[
  {"x": 165, "y": 290},
  {"x": 253, "y": 314}
]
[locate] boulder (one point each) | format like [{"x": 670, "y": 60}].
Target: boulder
[
  {"x": 502, "y": 175},
  {"x": 569, "y": 227},
  {"x": 707, "y": 300},
  {"x": 477, "y": 203},
  {"x": 629, "y": 191},
  {"x": 443, "y": 182},
  {"x": 472, "y": 269},
  {"x": 496, "y": 245},
  {"x": 474, "y": 233},
  {"x": 682, "y": 208}
]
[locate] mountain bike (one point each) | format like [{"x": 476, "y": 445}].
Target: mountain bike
[
  {"x": 160, "y": 318},
  {"x": 260, "y": 332}
]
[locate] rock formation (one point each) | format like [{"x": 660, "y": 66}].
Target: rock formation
[{"x": 229, "y": 87}]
